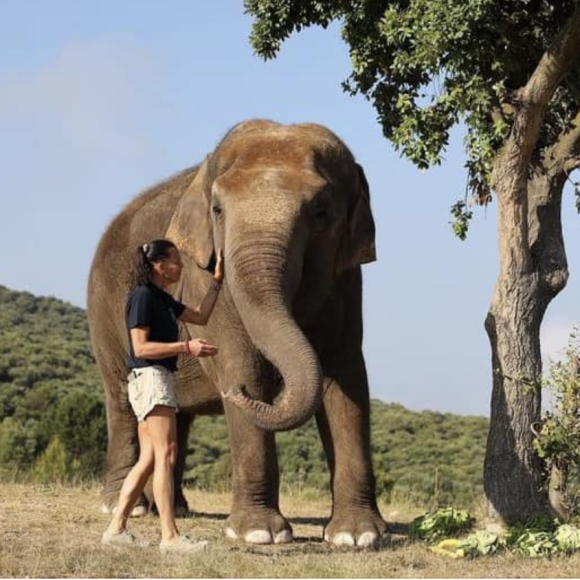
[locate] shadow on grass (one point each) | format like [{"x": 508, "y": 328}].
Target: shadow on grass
[
  {"x": 315, "y": 545},
  {"x": 398, "y": 528},
  {"x": 308, "y": 521},
  {"x": 204, "y": 515},
  {"x": 397, "y": 536}
]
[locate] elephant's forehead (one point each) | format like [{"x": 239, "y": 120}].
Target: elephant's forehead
[
  {"x": 269, "y": 181},
  {"x": 280, "y": 146},
  {"x": 266, "y": 209}
]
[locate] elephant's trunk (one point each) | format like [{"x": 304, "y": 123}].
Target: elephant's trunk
[{"x": 262, "y": 280}]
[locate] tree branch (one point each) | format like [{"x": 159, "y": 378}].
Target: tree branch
[
  {"x": 554, "y": 64},
  {"x": 510, "y": 173},
  {"x": 564, "y": 155},
  {"x": 534, "y": 97},
  {"x": 572, "y": 163}
]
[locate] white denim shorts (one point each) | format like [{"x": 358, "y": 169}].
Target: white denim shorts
[{"x": 149, "y": 387}]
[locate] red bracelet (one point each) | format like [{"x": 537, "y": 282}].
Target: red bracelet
[{"x": 187, "y": 349}]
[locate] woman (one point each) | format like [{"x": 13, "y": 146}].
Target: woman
[{"x": 151, "y": 318}]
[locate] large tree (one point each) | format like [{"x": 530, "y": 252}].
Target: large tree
[{"x": 510, "y": 72}]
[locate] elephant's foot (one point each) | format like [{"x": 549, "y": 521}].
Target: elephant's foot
[
  {"x": 181, "y": 506},
  {"x": 355, "y": 527},
  {"x": 141, "y": 508},
  {"x": 259, "y": 526}
]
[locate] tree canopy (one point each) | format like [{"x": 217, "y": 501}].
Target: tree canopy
[{"x": 428, "y": 64}]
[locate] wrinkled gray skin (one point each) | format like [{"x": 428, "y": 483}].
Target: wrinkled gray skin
[{"x": 291, "y": 210}]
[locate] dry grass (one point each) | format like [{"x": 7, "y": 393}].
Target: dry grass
[{"x": 55, "y": 532}]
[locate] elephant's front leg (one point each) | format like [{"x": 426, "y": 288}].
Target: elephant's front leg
[
  {"x": 343, "y": 422},
  {"x": 255, "y": 515}
]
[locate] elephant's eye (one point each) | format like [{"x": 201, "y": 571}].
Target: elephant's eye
[
  {"x": 321, "y": 217},
  {"x": 217, "y": 210}
]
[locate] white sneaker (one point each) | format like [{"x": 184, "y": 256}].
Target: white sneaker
[
  {"x": 124, "y": 538},
  {"x": 182, "y": 545}
]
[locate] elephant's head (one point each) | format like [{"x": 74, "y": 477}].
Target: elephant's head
[{"x": 291, "y": 209}]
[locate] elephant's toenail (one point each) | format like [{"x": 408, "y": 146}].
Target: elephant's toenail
[
  {"x": 231, "y": 534},
  {"x": 283, "y": 537},
  {"x": 258, "y": 537},
  {"x": 343, "y": 539},
  {"x": 368, "y": 540},
  {"x": 139, "y": 511}
]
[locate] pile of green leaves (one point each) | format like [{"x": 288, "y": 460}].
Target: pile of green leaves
[
  {"x": 480, "y": 543},
  {"x": 535, "y": 538},
  {"x": 567, "y": 538},
  {"x": 543, "y": 537},
  {"x": 441, "y": 523}
]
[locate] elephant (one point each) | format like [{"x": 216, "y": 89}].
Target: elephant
[{"x": 291, "y": 210}]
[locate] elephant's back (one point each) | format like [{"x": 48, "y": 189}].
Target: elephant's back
[{"x": 145, "y": 218}]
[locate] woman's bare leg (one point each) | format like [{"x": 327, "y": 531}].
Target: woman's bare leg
[
  {"x": 162, "y": 431},
  {"x": 134, "y": 482}
]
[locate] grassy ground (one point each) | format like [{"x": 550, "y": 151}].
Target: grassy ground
[{"x": 55, "y": 532}]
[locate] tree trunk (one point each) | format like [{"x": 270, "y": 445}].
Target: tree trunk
[{"x": 533, "y": 271}]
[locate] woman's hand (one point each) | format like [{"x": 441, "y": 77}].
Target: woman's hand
[
  {"x": 200, "y": 347},
  {"x": 219, "y": 268}
]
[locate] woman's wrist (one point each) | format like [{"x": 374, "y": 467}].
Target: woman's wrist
[{"x": 186, "y": 347}]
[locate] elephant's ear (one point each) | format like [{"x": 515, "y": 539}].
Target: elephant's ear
[
  {"x": 190, "y": 228},
  {"x": 358, "y": 245}
]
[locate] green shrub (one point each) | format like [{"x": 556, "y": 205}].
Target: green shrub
[{"x": 55, "y": 465}]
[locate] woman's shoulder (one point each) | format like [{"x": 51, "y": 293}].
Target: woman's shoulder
[{"x": 139, "y": 293}]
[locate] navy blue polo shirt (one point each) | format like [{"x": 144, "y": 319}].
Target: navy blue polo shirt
[{"x": 151, "y": 306}]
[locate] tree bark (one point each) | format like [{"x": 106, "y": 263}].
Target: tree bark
[{"x": 533, "y": 270}]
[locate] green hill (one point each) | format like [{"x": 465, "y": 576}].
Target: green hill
[{"x": 50, "y": 394}]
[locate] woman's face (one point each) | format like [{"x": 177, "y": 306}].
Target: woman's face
[{"x": 169, "y": 268}]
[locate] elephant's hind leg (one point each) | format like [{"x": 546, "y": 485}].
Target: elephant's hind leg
[
  {"x": 183, "y": 426},
  {"x": 122, "y": 452},
  {"x": 343, "y": 422}
]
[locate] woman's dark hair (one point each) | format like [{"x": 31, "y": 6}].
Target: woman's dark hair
[{"x": 143, "y": 259}]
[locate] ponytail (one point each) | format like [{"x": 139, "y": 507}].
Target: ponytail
[{"x": 143, "y": 259}]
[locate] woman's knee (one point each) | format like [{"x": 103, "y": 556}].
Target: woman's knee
[
  {"x": 166, "y": 454},
  {"x": 147, "y": 463}
]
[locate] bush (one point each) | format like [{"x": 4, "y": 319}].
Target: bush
[
  {"x": 55, "y": 465},
  {"x": 81, "y": 425}
]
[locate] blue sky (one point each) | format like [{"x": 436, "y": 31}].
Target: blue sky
[{"x": 99, "y": 100}]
